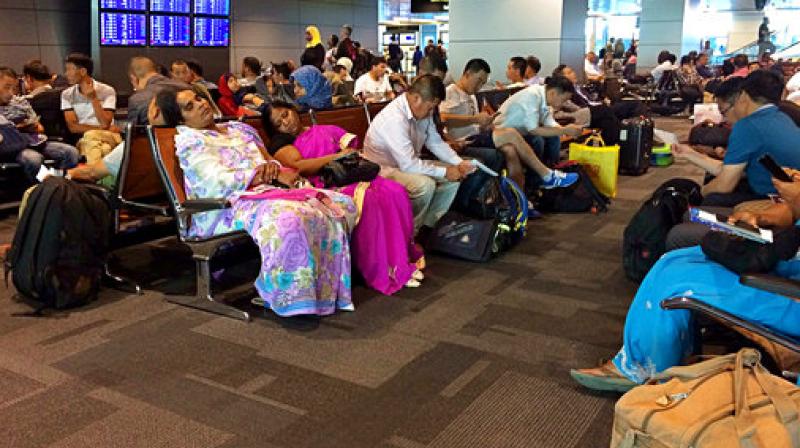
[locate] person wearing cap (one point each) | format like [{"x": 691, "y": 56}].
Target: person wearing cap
[{"x": 342, "y": 83}]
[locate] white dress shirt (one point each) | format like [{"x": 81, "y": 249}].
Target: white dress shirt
[
  {"x": 395, "y": 139},
  {"x": 590, "y": 69},
  {"x": 526, "y": 110}
]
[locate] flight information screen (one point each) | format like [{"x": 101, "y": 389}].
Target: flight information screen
[
  {"x": 123, "y": 29},
  {"x": 209, "y": 32},
  {"x": 212, "y": 7},
  {"x": 130, "y": 5},
  {"x": 169, "y": 31},
  {"x": 178, "y": 6}
]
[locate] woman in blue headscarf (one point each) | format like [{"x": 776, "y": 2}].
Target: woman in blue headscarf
[{"x": 311, "y": 89}]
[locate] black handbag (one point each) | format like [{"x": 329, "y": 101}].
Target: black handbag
[
  {"x": 347, "y": 170},
  {"x": 744, "y": 256}
]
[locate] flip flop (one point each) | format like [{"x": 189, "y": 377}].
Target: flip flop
[{"x": 610, "y": 381}]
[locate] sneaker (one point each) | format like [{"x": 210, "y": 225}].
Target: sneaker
[{"x": 559, "y": 179}]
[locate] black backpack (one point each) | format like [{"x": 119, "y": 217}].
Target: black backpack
[
  {"x": 580, "y": 197},
  {"x": 644, "y": 240},
  {"x": 60, "y": 246}
]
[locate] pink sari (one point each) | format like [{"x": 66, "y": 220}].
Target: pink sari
[{"x": 382, "y": 246}]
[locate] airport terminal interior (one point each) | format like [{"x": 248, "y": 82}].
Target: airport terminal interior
[{"x": 400, "y": 223}]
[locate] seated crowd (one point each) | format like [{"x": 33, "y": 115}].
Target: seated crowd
[{"x": 309, "y": 236}]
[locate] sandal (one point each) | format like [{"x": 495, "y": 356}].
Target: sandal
[{"x": 604, "y": 378}]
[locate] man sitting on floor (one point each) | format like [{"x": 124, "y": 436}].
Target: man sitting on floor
[
  {"x": 395, "y": 139},
  {"x": 465, "y": 122},
  {"x": 759, "y": 128}
]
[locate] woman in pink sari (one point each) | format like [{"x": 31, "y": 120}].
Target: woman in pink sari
[{"x": 382, "y": 245}]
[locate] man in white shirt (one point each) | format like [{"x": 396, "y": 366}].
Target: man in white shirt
[
  {"x": 590, "y": 69},
  {"x": 395, "y": 139},
  {"x": 529, "y": 112},
  {"x": 793, "y": 87},
  {"x": 534, "y": 66},
  {"x": 666, "y": 61},
  {"x": 465, "y": 122},
  {"x": 88, "y": 104},
  {"x": 374, "y": 86}
]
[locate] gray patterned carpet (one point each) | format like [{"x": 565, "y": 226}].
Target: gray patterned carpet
[{"x": 477, "y": 357}]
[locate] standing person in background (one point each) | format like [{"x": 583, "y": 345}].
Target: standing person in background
[
  {"x": 88, "y": 107},
  {"x": 417, "y": 57},
  {"x": 251, "y": 71},
  {"x": 619, "y": 49},
  {"x": 330, "y": 56},
  {"x": 314, "y": 53},
  {"x": 430, "y": 48},
  {"x": 764, "y": 41},
  {"x": 441, "y": 50},
  {"x": 346, "y": 49},
  {"x": 395, "y": 55},
  {"x": 707, "y": 50}
]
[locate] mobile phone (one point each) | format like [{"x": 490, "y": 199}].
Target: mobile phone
[{"x": 777, "y": 172}]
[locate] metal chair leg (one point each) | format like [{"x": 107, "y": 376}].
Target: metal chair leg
[
  {"x": 121, "y": 281},
  {"x": 203, "y": 299}
]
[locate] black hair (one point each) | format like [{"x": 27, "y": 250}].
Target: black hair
[
  {"x": 36, "y": 70},
  {"x": 672, "y": 58},
  {"x": 266, "y": 116},
  {"x": 686, "y": 60},
  {"x": 764, "y": 86},
  {"x": 519, "y": 64},
  {"x": 7, "y": 71},
  {"x": 559, "y": 83},
  {"x": 534, "y": 63},
  {"x": 282, "y": 68},
  {"x": 334, "y": 40},
  {"x": 477, "y": 66},
  {"x": 195, "y": 67},
  {"x": 559, "y": 70},
  {"x": 167, "y": 103},
  {"x": 80, "y": 60},
  {"x": 161, "y": 70},
  {"x": 252, "y": 63},
  {"x": 429, "y": 87},
  {"x": 376, "y": 60},
  {"x": 740, "y": 60},
  {"x": 430, "y": 64},
  {"x": 729, "y": 89},
  {"x": 663, "y": 56}
]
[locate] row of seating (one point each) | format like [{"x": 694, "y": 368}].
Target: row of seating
[{"x": 151, "y": 182}]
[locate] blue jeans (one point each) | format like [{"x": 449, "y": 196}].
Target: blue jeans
[
  {"x": 65, "y": 156},
  {"x": 547, "y": 149}
]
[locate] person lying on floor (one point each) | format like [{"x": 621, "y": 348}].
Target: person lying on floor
[
  {"x": 383, "y": 239},
  {"x": 302, "y": 233},
  {"x": 466, "y": 122},
  {"x": 656, "y": 339}
]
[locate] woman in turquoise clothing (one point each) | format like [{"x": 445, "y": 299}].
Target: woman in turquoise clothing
[{"x": 655, "y": 339}]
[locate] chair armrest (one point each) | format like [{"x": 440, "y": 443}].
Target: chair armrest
[
  {"x": 773, "y": 283},
  {"x": 192, "y": 206}
]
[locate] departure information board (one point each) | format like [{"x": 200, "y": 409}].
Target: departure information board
[
  {"x": 169, "y": 31},
  {"x": 123, "y": 29},
  {"x": 211, "y": 32},
  {"x": 128, "y": 5},
  {"x": 176, "y": 6},
  {"x": 212, "y": 7}
]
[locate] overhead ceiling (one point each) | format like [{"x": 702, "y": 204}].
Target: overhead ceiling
[{"x": 633, "y": 6}]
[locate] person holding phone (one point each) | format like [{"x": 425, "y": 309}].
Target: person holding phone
[
  {"x": 759, "y": 127},
  {"x": 463, "y": 121}
]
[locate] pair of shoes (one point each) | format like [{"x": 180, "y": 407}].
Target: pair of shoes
[
  {"x": 418, "y": 275},
  {"x": 559, "y": 179},
  {"x": 412, "y": 283},
  {"x": 604, "y": 378}
]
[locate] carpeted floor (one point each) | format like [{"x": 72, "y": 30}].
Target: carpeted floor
[{"x": 477, "y": 357}]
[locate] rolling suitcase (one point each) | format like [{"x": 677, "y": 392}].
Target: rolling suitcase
[{"x": 635, "y": 145}]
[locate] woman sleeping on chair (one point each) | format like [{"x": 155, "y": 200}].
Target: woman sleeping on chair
[
  {"x": 302, "y": 233},
  {"x": 655, "y": 339},
  {"x": 383, "y": 239}
]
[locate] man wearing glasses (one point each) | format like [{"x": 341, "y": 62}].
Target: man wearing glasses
[
  {"x": 466, "y": 123},
  {"x": 759, "y": 127}
]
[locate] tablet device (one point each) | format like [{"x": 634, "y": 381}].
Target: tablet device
[{"x": 740, "y": 229}]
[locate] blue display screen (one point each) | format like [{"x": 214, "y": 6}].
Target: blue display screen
[
  {"x": 169, "y": 31},
  {"x": 130, "y": 5},
  {"x": 179, "y": 6},
  {"x": 210, "y": 32},
  {"x": 212, "y": 7},
  {"x": 123, "y": 29}
]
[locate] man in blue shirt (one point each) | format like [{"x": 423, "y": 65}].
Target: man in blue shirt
[{"x": 759, "y": 128}]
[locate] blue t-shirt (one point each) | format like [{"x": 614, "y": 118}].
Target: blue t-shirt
[{"x": 765, "y": 131}]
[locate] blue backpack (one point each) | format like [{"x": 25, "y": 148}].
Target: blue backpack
[{"x": 514, "y": 218}]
